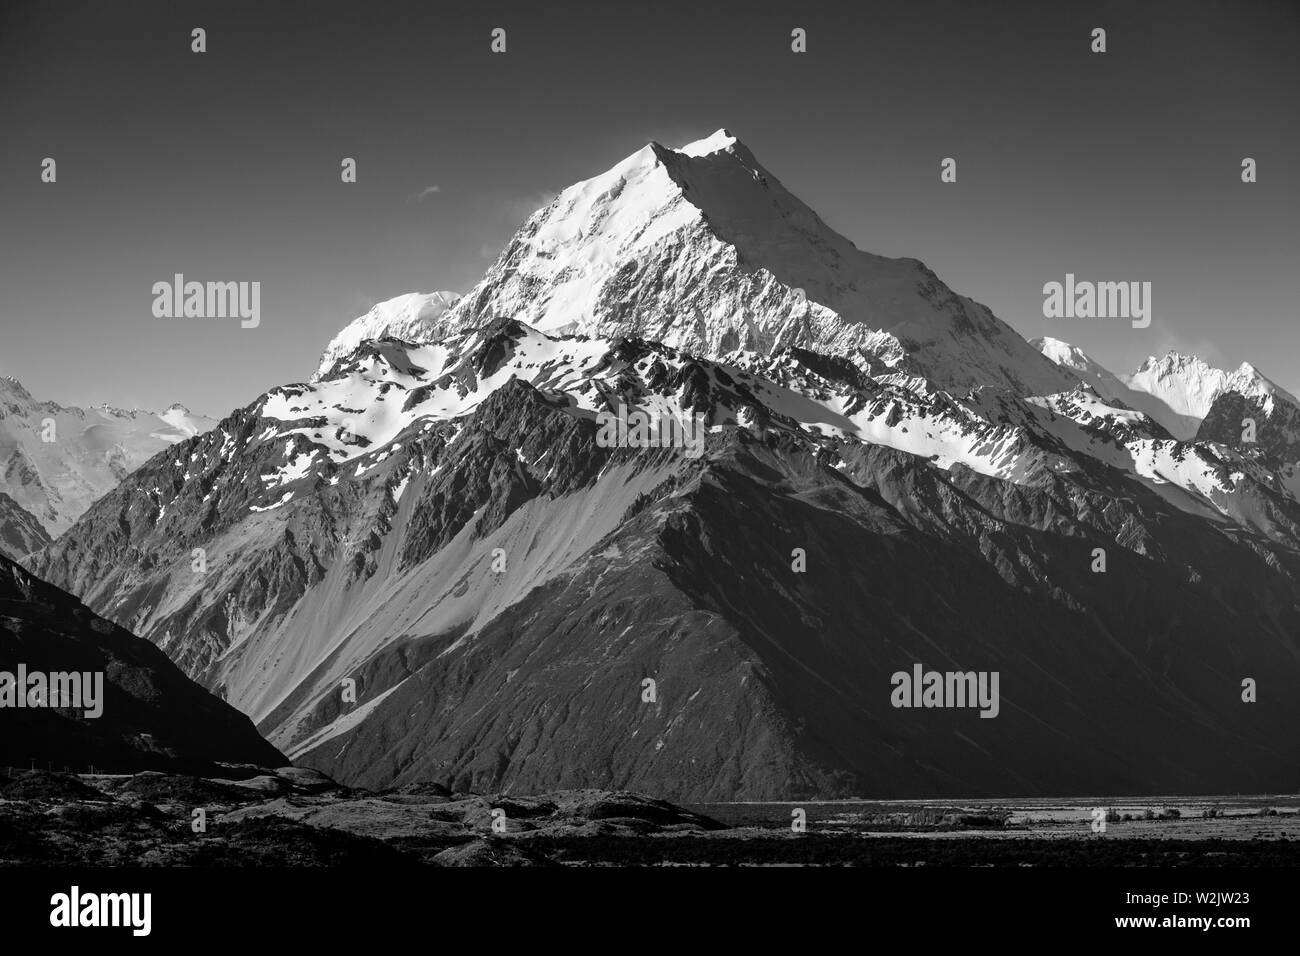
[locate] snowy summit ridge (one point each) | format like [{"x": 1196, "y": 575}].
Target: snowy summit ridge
[
  {"x": 408, "y": 317},
  {"x": 1176, "y": 390},
  {"x": 701, "y": 248},
  {"x": 1190, "y": 385}
]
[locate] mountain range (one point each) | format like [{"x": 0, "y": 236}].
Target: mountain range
[
  {"x": 1178, "y": 391},
  {"x": 428, "y": 563},
  {"x": 56, "y": 460}
]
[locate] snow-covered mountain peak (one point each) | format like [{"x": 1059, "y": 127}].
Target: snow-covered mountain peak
[
  {"x": 1175, "y": 389},
  {"x": 1189, "y": 385},
  {"x": 411, "y": 317},
  {"x": 1097, "y": 378},
  {"x": 1062, "y": 353},
  {"x": 93, "y": 449},
  {"x": 1121, "y": 389},
  {"x": 14, "y": 389},
  {"x": 702, "y": 249},
  {"x": 1072, "y": 357},
  {"x": 1172, "y": 363}
]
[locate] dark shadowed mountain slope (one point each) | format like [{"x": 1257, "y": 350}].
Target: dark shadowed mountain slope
[
  {"x": 153, "y": 717},
  {"x": 1263, "y": 426},
  {"x": 776, "y": 684}
]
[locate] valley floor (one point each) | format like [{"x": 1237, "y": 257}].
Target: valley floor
[{"x": 294, "y": 817}]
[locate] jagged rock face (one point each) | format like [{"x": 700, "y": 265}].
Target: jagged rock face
[
  {"x": 1204, "y": 478},
  {"x": 55, "y": 461},
  {"x": 20, "y": 532},
  {"x": 1262, "y": 429},
  {"x": 703, "y": 249},
  {"x": 153, "y": 717},
  {"x": 1276, "y": 432}
]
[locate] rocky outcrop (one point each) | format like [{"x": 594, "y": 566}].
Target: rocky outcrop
[{"x": 20, "y": 532}]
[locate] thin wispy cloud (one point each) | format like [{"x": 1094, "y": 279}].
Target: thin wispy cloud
[{"x": 426, "y": 192}]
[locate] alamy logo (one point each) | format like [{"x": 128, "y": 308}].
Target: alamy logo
[
  {"x": 637, "y": 430},
  {"x": 208, "y": 300},
  {"x": 73, "y": 909},
  {"x": 923, "y": 688},
  {"x": 56, "y": 690},
  {"x": 1098, "y": 300}
]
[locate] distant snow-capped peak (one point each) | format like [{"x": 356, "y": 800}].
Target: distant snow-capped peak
[
  {"x": 1189, "y": 385},
  {"x": 14, "y": 393},
  {"x": 184, "y": 422},
  {"x": 1075, "y": 359},
  {"x": 56, "y": 460},
  {"x": 1064, "y": 354},
  {"x": 410, "y": 317},
  {"x": 1176, "y": 390}
]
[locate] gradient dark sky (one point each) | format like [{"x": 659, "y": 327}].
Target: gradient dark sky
[{"x": 225, "y": 166}]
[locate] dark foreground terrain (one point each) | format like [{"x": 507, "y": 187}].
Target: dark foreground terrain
[{"x": 295, "y": 817}]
